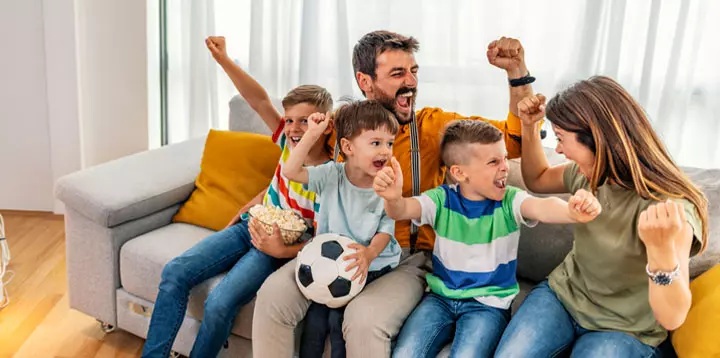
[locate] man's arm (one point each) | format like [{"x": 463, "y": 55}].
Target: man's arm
[{"x": 251, "y": 90}]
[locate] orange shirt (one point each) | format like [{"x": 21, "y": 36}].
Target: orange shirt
[{"x": 431, "y": 122}]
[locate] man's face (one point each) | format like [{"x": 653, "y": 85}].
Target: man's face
[{"x": 395, "y": 85}]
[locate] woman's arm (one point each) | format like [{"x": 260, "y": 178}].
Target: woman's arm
[
  {"x": 253, "y": 92},
  {"x": 539, "y": 177},
  {"x": 668, "y": 237}
]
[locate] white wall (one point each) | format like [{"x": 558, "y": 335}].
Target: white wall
[
  {"x": 73, "y": 92},
  {"x": 112, "y": 58},
  {"x": 25, "y": 170}
]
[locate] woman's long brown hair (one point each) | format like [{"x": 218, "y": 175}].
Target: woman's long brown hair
[{"x": 627, "y": 150}]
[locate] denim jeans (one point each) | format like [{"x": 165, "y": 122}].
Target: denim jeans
[
  {"x": 230, "y": 249},
  {"x": 543, "y": 328},
  {"x": 476, "y": 328},
  {"x": 322, "y": 321}
]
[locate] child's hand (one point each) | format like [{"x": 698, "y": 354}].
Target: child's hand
[
  {"x": 271, "y": 245},
  {"x": 363, "y": 257},
  {"x": 388, "y": 182},
  {"x": 216, "y": 45},
  {"x": 584, "y": 206},
  {"x": 318, "y": 123},
  {"x": 531, "y": 109}
]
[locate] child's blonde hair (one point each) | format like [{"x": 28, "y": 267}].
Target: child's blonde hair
[{"x": 310, "y": 94}]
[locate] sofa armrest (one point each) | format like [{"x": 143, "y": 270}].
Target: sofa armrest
[{"x": 135, "y": 186}]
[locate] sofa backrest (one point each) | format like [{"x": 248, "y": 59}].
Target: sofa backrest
[
  {"x": 543, "y": 247},
  {"x": 244, "y": 119}
]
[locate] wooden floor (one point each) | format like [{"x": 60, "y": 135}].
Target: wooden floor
[{"x": 38, "y": 321}]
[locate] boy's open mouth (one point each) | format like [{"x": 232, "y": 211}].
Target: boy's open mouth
[
  {"x": 379, "y": 164},
  {"x": 501, "y": 183},
  {"x": 295, "y": 139}
]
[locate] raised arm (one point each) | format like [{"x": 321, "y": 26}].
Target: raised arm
[
  {"x": 388, "y": 185},
  {"x": 581, "y": 208},
  {"x": 509, "y": 55},
  {"x": 668, "y": 237},
  {"x": 537, "y": 174},
  {"x": 294, "y": 169},
  {"x": 253, "y": 92}
]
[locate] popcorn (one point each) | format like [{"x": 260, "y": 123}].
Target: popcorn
[{"x": 291, "y": 225}]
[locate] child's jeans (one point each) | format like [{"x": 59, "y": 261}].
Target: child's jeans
[
  {"x": 321, "y": 321},
  {"x": 476, "y": 328},
  {"x": 229, "y": 249}
]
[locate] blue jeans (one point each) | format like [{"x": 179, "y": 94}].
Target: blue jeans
[
  {"x": 543, "y": 328},
  {"x": 475, "y": 326},
  {"x": 229, "y": 249},
  {"x": 322, "y": 321}
]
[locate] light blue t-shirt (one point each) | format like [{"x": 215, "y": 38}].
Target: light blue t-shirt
[{"x": 351, "y": 211}]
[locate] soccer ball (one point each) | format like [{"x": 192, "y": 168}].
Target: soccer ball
[{"x": 320, "y": 271}]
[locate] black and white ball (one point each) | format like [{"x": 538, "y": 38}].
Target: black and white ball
[{"x": 320, "y": 271}]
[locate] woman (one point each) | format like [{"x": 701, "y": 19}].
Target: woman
[{"x": 625, "y": 283}]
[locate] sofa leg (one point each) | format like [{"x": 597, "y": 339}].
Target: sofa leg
[{"x": 106, "y": 327}]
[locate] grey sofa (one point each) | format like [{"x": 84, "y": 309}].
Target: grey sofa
[{"x": 119, "y": 236}]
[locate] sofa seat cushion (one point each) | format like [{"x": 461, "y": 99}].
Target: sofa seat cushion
[{"x": 143, "y": 258}]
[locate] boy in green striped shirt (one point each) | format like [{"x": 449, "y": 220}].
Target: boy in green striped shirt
[{"x": 477, "y": 226}]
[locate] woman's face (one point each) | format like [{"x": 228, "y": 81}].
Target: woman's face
[{"x": 568, "y": 145}]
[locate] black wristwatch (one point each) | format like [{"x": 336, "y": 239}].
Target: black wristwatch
[
  {"x": 662, "y": 278},
  {"x": 522, "y": 81}
]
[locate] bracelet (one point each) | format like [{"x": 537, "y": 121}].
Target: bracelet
[{"x": 522, "y": 81}]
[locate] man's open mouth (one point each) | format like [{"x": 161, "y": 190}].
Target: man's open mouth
[{"x": 403, "y": 101}]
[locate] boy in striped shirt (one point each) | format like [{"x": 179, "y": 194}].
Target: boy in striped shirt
[{"x": 477, "y": 226}]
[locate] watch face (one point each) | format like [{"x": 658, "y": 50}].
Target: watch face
[{"x": 662, "y": 279}]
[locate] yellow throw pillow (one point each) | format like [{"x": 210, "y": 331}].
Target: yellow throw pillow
[
  {"x": 699, "y": 336},
  {"x": 235, "y": 167}
]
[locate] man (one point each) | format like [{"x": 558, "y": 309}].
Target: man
[{"x": 386, "y": 71}]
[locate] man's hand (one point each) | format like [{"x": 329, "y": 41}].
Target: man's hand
[
  {"x": 216, "y": 45},
  {"x": 388, "y": 182},
  {"x": 271, "y": 245},
  {"x": 318, "y": 123},
  {"x": 363, "y": 257},
  {"x": 509, "y": 55},
  {"x": 584, "y": 206},
  {"x": 531, "y": 110}
]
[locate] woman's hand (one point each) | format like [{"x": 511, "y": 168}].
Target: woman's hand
[
  {"x": 661, "y": 227},
  {"x": 531, "y": 110}
]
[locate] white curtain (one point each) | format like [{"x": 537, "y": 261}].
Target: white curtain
[{"x": 664, "y": 52}]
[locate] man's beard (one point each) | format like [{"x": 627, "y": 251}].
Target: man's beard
[{"x": 389, "y": 102}]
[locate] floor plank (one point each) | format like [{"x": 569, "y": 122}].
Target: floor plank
[{"x": 38, "y": 322}]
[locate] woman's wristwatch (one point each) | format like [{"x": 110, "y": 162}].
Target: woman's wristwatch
[{"x": 663, "y": 278}]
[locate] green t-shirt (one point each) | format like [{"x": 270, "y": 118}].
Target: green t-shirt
[{"x": 602, "y": 281}]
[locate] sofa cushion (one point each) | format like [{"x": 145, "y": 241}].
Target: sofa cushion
[
  {"x": 543, "y": 247},
  {"x": 143, "y": 258},
  {"x": 235, "y": 167}
]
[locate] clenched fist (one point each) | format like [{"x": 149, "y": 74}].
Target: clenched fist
[
  {"x": 663, "y": 224},
  {"x": 388, "y": 182},
  {"x": 584, "y": 206},
  {"x": 216, "y": 45},
  {"x": 508, "y": 54},
  {"x": 531, "y": 110}
]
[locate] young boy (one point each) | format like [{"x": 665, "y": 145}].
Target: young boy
[
  {"x": 242, "y": 249},
  {"x": 348, "y": 205},
  {"x": 477, "y": 226}
]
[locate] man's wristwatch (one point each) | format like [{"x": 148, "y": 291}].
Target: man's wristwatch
[{"x": 663, "y": 278}]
